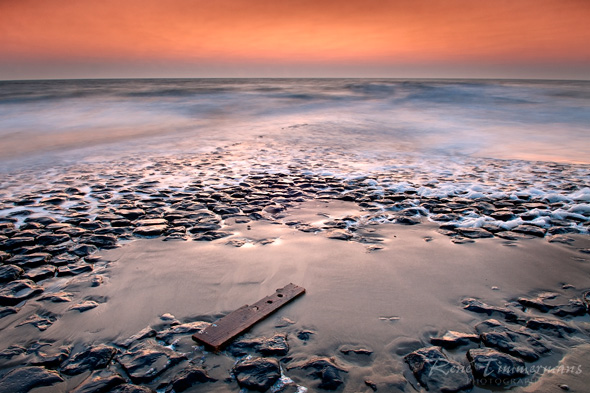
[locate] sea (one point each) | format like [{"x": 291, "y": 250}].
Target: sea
[{"x": 437, "y": 138}]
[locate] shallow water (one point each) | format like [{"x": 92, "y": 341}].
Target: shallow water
[{"x": 530, "y": 120}]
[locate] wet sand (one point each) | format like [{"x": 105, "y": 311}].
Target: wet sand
[{"x": 388, "y": 296}]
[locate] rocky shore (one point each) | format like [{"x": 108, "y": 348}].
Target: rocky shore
[{"x": 61, "y": 232}]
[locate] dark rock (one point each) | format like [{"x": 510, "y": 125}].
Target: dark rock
[
  {"x": 58, "y": 249},
  {"x": 489, "y": 364},
  {"x": 84, "y": 306},
  {"x": 371, "y": 384},
  {"x": 83, "y": 250},
  {"x": 41, "y": 321},
  {"x": 537, "y": 304},
  {"x": 474, "y": 233},
  {"x": 54, "y": 200},
  {"x": 586, "y": 299},
  {"x": 10, "y": 273},
  {"x": 48, "y": 357},
  {"x": 91, "y": 225},
  {"x": 436, "y": 372},
  {"x": 304, "y": 335},
  {"x": 24, "y": 379},
  {"x": 275, "y": 345},
  {"x": 130, "y": 214},
  {"x": 4, "y": 256},
  {"x": 31, "y": 260},
  {"x": 152, "y": 221},
  {"x": 483, "y": 308},
  {"x": 338, "y": 234},
  {"x": 242, "y": 347},
  {"x": 74, "y": 269},
  {"x": 405, "y": 220},
  {"x": 502, "y": 215},
  {"x": 42, "y": 220},
  {"x": 257, "y": 373},
  {"x": 141, "y": 335},
  {"x": 17, "y": 291},
  {"x": 204, "y": 227},
  {"x": 530, "y": 230},
  {"x": 225, "y": 210},
  {"x": 574, "y": 308},
  {"x": 5, "y": 311},
  {"x": 518, "y": 343},
  {"x": 11, "y": 352},
  {"x": 325, "y": 369},
  {"x": 41, "y": 273},
  {"x": 58, "y": 297},
  {"x": 187, "y": 378},
  {"x": 123, "y": 223},
  {"x": 345, "y": 349},
  {"x": 47, "y": 239},
  {"x": 452, "y": 339},
  {"x": 562, "y": 230},
  {"x": 552, "y": 326},
  {"x": 90, "y": 359},
  {"x": 150, "y": 230},
  {"x": 99, "y": 382},
  {"x": 64, "y": 259},
  {"x": 511, "y": 235},
  {"x": 184, "y": 329},
  {"x": 212, "y": 235},
  {"x": 103, "y": 241},
  {"x": 147, "y": 360},
  {"x": 130, "y": 388}
]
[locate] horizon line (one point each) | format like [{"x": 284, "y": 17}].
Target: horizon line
[{"x": 297, "y": 78}]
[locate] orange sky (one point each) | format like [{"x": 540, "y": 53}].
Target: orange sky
[{"x": 241, "y": 37}]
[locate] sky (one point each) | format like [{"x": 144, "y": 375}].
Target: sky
[{"x": 537, "y": 39}]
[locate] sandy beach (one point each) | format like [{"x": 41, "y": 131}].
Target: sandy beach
[{"x": 422, "y": 272}]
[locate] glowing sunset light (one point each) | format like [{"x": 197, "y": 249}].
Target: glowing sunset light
[{"x": 55, "y": 37}]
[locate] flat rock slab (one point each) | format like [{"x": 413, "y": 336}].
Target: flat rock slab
[
  {"x": 257, "y": 373},
  {"x": 228, "y": 327},
  {"x": 187, "y": 378},
  {"x": 41, "y": 322},
  {"x": 147, "y": 360},
  {"x": 436, "y": 372},
  {"x": 17, "y": 291},
  {"x": 452, "y": 339},
  {"x": 57, "y": 297},
  {"x": 100, "y": 381},
  {"x": 489, "y": 364},
  {"x": 186, "y": 328},
  {"x": 514, "y": 342},
  {"x": 275, "y": 345},
  {"x": 10, "y": 273},
  {"x": 324, "y": 369},
  {"x": 478, "y": 306},
  {"x": 149, "y": 230},
  {"x": 552, "y": 326},
  {"x": 22, "y": 380},
  {"x": 91, "y": 359},
  {"x": 84, "y": 306}
]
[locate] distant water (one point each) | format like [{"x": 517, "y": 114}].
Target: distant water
[{"x": 516, "y": 119}]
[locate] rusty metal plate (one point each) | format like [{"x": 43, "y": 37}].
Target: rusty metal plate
[{"x": 223, "y": 330}]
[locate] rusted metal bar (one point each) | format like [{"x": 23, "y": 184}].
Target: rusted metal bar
[{"x": 223, "y": 330}]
